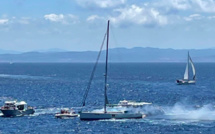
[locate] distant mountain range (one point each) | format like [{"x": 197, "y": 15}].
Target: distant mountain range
[
  {"x": 8, "y": 51},
  {"x": 137, "y": 54}
]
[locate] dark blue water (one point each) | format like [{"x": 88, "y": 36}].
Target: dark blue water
[{"x": 49, "y": 87}]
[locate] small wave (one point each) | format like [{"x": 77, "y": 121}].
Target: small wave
[
  {"x": 23, "y": 76},
  {"x": 118, "y": 120},
  {"x": 3, "y": 99}
]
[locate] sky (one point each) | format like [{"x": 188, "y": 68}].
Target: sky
[{"x": 80, "y": 25}]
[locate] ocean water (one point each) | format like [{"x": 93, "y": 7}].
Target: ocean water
[{"x": 187, "y": 109}]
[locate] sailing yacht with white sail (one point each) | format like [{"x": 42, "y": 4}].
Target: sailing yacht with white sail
[
  {"x": 186, "y": 79},
  {"x": 93, "y": 115}
]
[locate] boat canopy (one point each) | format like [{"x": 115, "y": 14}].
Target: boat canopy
[
  {"x": 15, "y": 103},
  {"x": 21, "y": 103},
  {"x": 10, "y": 102}
]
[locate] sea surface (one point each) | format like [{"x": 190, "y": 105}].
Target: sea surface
[{"x": 187, "y": 109}]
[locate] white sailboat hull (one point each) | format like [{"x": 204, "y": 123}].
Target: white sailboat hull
[
  {"x": 185, "y": 82},
  {"x": 109, "y": 115}
]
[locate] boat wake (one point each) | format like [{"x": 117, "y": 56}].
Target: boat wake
[
  {"x": 184, "y": 112},
  {"x": 173, "y": 115},
  {"x": 46, "y": 111},
  {"x": 148, "y": 110},
  {"x": 49, "y": 111}
]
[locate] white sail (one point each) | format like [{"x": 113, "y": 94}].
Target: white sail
[
  {"x": 186, "y": 73},
  {"x": 193, "y": 68},
  {"x": 186, "y": 79}
]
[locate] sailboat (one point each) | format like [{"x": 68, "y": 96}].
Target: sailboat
[
  {"x": 186, "y": 79},
  {"x": 95, "y": 115}
]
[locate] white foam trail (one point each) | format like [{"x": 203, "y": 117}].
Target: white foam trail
[
  {"x": 52, "y": 110},
  {"x": 148, "y": 110},
  {"x": 178, "y": 112},
  {"x": 46, "y": 111},
  {"x": 182, "y": 112}
]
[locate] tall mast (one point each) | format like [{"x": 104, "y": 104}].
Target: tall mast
[
  {"x": 188, "y": 58},
  {"x": 106, "y": 71}
]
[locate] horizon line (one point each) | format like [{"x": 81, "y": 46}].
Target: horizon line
[{"x": 54, "y": 50}]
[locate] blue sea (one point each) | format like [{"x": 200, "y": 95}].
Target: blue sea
[{"x": 187, "y": 109}]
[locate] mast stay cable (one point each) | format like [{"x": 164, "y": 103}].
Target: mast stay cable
[{"x": 93, "y": 72}]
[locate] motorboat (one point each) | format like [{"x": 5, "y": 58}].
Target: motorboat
[
  {"x": 98, "y": 115},
  {"x": 144, "y": 107},
  {"x": 127, "y": 103},
  {"x": 66, "y": 113},
  {"x": 15, "y": 108},
  {"x": 186, "y": 80}
]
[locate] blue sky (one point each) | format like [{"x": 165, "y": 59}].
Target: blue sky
[{"x": 79, "y": 25}]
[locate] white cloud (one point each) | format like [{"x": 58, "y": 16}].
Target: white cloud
[
  {"x": 64, "y": 19},
  {"x": 157, "y": 12},
  {"x": 4, "y": 21},
  {"x": 193, "y": 5},
  {"x": 205, "y": 5},
  {"x": 54, "y": 17},
  {"x": 180, "y": 4},
  {"x": 139, "y": 15},
  {"x": 101, "y": 3},
  {"x": 193, "y": 17},
  {"x": 211, "y": 17},
  {"x": 92, "y": 18},
  {"x": 15, "y": 20}
]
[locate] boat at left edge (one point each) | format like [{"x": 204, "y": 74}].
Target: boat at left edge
[{"x": 16, "y": 108}]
